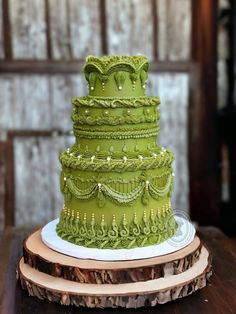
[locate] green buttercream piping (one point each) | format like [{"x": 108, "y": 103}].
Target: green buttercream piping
[
  {"x": 113, "y": 120},
  {"x": 92, "y": 78},
  {"x": 155, "y": 188},
  {"x": 117, "y": 165},
  {"x": 150, "y": 151},
  {"x": 143, "y": 77},
  {"x": 115, "y": 102},
  {"x": 125, "y": 133},
  {"x": 119, "y": 79},
  {"x": 150, "y": 230},
  {"x": 108, "y": 64}
]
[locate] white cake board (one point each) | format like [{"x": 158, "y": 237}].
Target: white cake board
[{"x": 183, "y": 237}]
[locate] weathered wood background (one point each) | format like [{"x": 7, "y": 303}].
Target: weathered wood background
[{"x": 42, "y": 46}]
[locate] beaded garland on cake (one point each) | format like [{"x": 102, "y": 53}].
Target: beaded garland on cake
[
  {"x": 116, "y": 180},
  {"x": 123, "y": 164}
]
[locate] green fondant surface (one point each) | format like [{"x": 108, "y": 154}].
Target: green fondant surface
[{"x": 116, "y": 180}]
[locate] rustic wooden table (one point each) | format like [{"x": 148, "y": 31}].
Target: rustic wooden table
[{"x": 218, "y": 297}]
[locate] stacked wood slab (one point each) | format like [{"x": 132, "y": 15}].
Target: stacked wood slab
[{"x": 56, "y": 277}]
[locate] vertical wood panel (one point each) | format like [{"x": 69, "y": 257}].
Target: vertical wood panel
[
  {"x": 38, "y": 196},
  {"x": 62, "y": 89},
  {"x": 1, "y": 32},
  {"x": 25, "y": 102},
  {"x": 59, "y": 29},
  {"x": 75, "y": 28},
  {"x": 2, "y": 183},
  {"x": 6, "y": 29},
  {"x": 33, "y": 182},
  {"x": 48, "y": 30},
  {"x": 84, "y": 28},
  {"x": 103, "y": 23},
  {"x": 28, "y": 29},
  {"x": 9, "y": 214},
  {"x": 173, "y": 90},
  {"x": 155, "y": 30},
  {"x": 78, "y": 85},
  {"x": 61, "y": 94},
  {"x": 205, "y": 188},
  {"x": 174, "y": 29},
  {"x": 6, "y": 92},
  {"x": 129, "y": 27}
]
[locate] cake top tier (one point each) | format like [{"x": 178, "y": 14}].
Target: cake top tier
[{"x": 116, "y": 76}]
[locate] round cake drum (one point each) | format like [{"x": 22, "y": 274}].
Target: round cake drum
[{"x": 183, "y": 237}]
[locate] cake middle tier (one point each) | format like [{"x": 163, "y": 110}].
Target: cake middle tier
[
  {"x": 111, "y": 113},
  {"x": 111, "y": 125}
]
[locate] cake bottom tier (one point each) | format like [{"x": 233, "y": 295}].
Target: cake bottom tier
[
  {"x": 44, "y": 283},
  {"x": 147, "y": 227}
]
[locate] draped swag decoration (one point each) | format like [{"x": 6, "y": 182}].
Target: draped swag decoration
[{"x": 122, "y": 193}]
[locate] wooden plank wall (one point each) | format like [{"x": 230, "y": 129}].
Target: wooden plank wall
[
  {"x": 28, "y": 29},
  {"x": 74, "y": 28},
  {"x": 42, "y": 51},
  {"x": 128, "y": 29},
  {"x": 38, "y": 169},
  {"x": 174, "y": 29}
]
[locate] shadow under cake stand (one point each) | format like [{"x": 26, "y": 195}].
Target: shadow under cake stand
[{"x": 59, "y": 271}]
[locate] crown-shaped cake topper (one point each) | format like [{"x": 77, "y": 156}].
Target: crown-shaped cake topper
[
  {"x": 119, "y": 67},
  {"x": 108, "y": 64}
]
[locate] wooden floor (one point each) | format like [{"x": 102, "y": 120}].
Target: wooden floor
[{"x": 218, "y": 297}]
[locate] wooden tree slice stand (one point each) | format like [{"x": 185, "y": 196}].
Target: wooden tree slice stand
[{"x": 56, "y": 277}]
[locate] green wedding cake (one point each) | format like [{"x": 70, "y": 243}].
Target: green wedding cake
[
  {"x": 116, "y": 180},
  {"x": 117, "y": 183}
]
